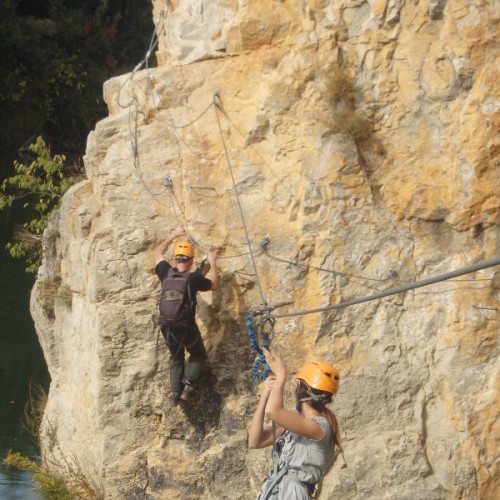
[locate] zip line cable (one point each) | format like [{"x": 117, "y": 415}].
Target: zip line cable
[
  {"x": 152, "y": 45},
  {"x": 234, "y": 256},
  {"x": 393, "y": 291},
  {"x": 171, "y": 123},
  {"x": 134, "y": 139},
  {"x": 392, "y": 275},
  {"x": 352, "y": 276},
  {"x": 317, "y": 268},
  {"x": 216, "y": 107},
  {"x": 263, "y": 161},
  {"x": 133, "y": 132},
  {"x": 331, "y": 271}
]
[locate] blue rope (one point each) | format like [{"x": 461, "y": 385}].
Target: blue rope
[{"x": 260, "y": 369}]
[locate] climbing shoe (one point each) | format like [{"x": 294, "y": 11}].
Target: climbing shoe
[
  {"x": 187, "y": 392},
  {"x": 173, "y": 399}
]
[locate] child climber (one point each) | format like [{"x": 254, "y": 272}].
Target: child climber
[
  {"x": 303, "y": 441},
  {"x": 186, "y": 336}
]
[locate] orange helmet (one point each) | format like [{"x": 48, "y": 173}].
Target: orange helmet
[
  {"x": 320, "y": 376},
  {"x": 184, "y": 248}
]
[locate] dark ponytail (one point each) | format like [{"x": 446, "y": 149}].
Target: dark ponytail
[{"x": 304, "y": 392}]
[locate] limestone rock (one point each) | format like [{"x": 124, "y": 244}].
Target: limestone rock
[{"x": 239, "y": 95}]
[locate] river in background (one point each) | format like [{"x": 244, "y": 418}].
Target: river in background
[{"x": 21, "y": 361}]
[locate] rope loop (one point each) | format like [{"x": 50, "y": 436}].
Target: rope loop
[
  {"x": 267, "y": 328},
  {"x": 260, "y": 369}
]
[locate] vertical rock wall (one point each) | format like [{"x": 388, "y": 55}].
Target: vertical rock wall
[{"x": 418, "y": 400}]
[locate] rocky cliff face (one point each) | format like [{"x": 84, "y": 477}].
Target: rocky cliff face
[{"x": 244, "y": 90}]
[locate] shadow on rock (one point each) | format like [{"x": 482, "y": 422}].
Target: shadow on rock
[{"x": 203, "y": 410}]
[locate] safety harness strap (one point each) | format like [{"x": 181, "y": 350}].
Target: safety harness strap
[{"x": 277, "y": 474}]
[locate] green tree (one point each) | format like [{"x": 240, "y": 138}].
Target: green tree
[
  {"x": 54, "y": 57},
  {"x": 40, "y": 185}
]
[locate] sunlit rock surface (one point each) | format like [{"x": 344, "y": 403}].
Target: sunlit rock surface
[{"x": 240, "y": 93}]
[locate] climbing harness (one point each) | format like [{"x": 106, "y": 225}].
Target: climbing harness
[
  {"x": 277, "y": 471},
  {"x": 280, "y": 468},
  {"x": 172, "y": 340},
  {"x": 260, "y": 368}
]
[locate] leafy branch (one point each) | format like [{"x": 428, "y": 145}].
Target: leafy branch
[{"x": 41, "y": 184}]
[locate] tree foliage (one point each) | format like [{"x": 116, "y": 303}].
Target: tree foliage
[
  {"x": 54, "y": 57},
  {"x": 40, "y": 185}
]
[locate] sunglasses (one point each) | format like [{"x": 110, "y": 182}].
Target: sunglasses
[{"x": 182, "y": 258}]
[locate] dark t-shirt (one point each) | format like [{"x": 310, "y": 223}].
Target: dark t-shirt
[{"x": 196, "y": 281}]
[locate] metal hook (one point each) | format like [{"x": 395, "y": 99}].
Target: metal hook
[{"x": 265, "y": 242}]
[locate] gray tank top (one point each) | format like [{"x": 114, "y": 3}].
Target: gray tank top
[{"x": 306, "y": 461}]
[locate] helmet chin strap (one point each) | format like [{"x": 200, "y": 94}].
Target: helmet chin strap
[{"x": 311, "y": 397}]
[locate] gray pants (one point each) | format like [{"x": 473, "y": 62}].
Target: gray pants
[{"x": 178, "y": 341}]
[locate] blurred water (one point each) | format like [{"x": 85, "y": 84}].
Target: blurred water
[
  {"x": 21, "y": 360},
  {"x": 17, "y": 485}
]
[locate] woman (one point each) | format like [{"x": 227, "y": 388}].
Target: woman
[{"x": 303, "y": 441}]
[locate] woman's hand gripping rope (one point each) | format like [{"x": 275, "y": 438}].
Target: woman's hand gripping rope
[{"x": 276, "y": 364}]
